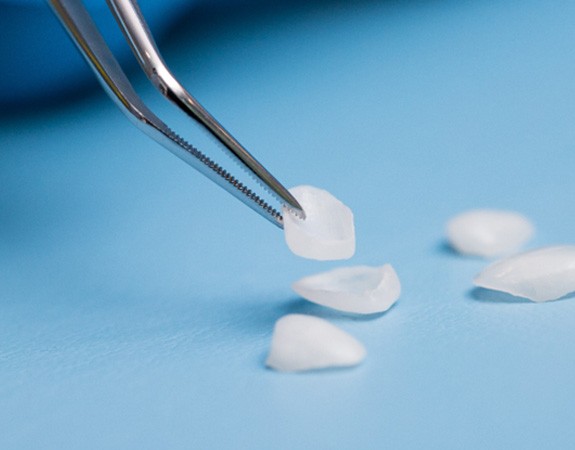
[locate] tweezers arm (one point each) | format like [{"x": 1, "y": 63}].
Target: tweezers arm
[
  {"x": 135, "y": 28},
  {"x": 86, "y": 36}
]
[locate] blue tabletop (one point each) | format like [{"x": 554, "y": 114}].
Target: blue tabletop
[{"x": 137, "y": 299}]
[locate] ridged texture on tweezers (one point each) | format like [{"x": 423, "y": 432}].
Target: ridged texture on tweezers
[{"x": 223, "y": 173}]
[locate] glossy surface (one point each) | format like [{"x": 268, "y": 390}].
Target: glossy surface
[
  {"x": 355, "y": 289},
  {"x": 77, "y": 21},
  {"x": 327, "y": 233},
  {"x": 540, "y": 275},
  {"x": 133, "y": 316},
  {"x": 303, "y": 342}
]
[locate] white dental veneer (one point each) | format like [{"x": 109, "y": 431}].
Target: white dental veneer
[
  {"x": 327, "y": 233},
  {"x": 301, "y": 343},
  {"x": 540, "y": 275},
  {"x": 488, "y": 233},
  {"x": 358, "y": 289}
]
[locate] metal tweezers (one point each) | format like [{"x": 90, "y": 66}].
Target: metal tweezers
[{"x": 84, "y": 33}]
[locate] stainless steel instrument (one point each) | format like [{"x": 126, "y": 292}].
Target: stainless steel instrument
[{"x": 84, "y": 33}]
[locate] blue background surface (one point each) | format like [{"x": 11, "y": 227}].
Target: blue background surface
[{"x": 137, "y": 300}]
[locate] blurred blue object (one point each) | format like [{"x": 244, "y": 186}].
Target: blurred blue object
[{"x": 40, "y": 61}]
